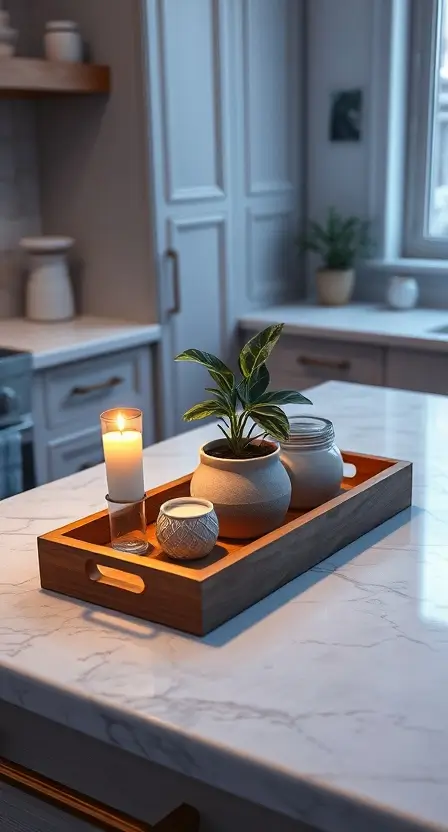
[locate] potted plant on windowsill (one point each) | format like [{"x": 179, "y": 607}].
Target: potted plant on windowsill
[
  {"x": 241, "y": 473},
  {"x": 340, "y": 242}
]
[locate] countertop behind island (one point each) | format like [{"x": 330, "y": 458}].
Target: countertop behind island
[
  {"x": 325, "y": 702},
  {"x": 359, "y": 322},
  {"x": 62, "y": 342}
]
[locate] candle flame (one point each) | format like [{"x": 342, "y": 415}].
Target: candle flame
[{"x": 121, "y": 422}]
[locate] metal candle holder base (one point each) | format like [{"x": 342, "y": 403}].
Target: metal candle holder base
[{"x": 128, "y": 526}]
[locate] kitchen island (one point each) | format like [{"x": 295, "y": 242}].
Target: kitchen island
[{"x": 325, "y": 704}]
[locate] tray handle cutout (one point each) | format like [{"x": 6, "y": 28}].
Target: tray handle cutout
[
  {"x": 116, "y": 578},
  {"x": 349, "y": 470}
]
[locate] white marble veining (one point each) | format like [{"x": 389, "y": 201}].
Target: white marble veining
[
  {"x": 359, "y": 322},
  {"x": 85, "y": 337},
  {"x": 327, "y": 701}
]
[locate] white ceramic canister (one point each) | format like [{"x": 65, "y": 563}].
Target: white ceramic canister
[
  {"x": 312, "y": 460},
  {"x": 49, "y": 293},
  {"x": 402, "y": 292},
  {"x": 63, "y": 41},
  {"x": 8, "y": 36}
]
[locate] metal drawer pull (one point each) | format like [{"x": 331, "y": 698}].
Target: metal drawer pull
[
  {"x": 306, "y": 361},
  {"x": 96, "y": 388},
  {"x": 183, "y": 819},
  {"x": 174, "y": 257}
]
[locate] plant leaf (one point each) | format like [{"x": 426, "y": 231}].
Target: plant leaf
[
  {"x": 204, "y": 409},
  {"x": 223, "y": 397},
  {"x": 258, "y": 349},
  {"x": 281, "y": 397},
  {"x": 220, "y": 373},
  {"x": 272, "y": 420},
  {"x": 250, "y": 390}
]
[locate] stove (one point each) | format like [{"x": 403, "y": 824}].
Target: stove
[
  {"x": 15, "y": 387},
  {"x": 16, "y": 424}
]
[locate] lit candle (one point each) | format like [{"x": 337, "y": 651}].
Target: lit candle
[{"x": 123, "y": 454}]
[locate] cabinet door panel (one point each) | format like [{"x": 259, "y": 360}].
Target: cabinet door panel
[
  {"x": 191, "y": 117},
  {"x": 200, "y": 245}
]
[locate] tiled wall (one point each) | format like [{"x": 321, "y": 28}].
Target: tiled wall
[{"x": 19, "y": 198}]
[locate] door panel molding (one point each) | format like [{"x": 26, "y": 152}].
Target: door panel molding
[
  {"x": 217, "y": 151},
  {"x": 202, "y": 245},
  {"x": 278, "y": 264},
  {"x": 266, "y": 183}
]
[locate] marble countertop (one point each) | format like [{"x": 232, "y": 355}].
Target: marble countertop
[
  {"x": 326, "y": 701},
  {"x": 358, "y": 322},
  {"x": 53, "y": 344}
]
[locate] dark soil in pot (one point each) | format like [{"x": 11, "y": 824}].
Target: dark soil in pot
[{"x": 253, "y": 451}]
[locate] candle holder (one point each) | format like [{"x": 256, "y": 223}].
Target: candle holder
[{"x": 128, "y": 526}]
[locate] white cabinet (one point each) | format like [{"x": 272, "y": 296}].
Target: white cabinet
[
  {"x": 68, "y": 401},
  {"x": 426, "y": 371},
  {"x": 76, "y": 453},
  {"x": 225, "y": 87},
  {"x": 299, "y": 363},
  {"x": 183, "y": 189}
]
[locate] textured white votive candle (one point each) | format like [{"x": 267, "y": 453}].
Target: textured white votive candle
[{"x": 190, "y": 509}]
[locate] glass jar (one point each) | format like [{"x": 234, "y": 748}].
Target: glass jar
[{"x": 312, "y": 460}]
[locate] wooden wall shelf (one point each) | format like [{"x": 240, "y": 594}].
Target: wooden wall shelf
[{"x": 37, "y": 78}]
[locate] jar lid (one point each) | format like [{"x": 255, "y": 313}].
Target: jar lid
[
  {"x": 309, "y": 432},
  {"x": 46, "y": 245},
  {"x": 61, "y": 26}
]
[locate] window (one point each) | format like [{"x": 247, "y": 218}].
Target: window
[{"x": 426, "y": 232}]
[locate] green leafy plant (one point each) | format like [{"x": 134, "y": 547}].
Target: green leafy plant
[
  {"x": 340, "y": 241},
  {"x": 236, "y": 402}
]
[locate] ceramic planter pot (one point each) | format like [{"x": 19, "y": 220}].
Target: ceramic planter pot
[
  {"x": 250, "y": 496},
  {"x": 335, "y": 287}
]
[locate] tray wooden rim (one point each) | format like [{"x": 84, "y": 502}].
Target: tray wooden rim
[{"x": 248, "y": 548}]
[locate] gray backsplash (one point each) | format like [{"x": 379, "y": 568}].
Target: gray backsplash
[{"x": 19, "y": 198}]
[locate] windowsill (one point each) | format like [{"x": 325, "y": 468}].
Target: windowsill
[{"x": 408, "y": 265}]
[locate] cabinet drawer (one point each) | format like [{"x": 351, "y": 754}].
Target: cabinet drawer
[
  {"x": 302, "y": 362},
  {"x": 76, "y": 394},
  {"x": 73, "y": 454},
  {"x": 422, "y": 371}
]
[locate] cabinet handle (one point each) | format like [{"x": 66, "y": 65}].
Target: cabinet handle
[
  {"x": 306, "y": 361},
  {"x": 173, "y": 255},
  {"x": 96, "y": 388},
  {"x": 183, "y": 819}
]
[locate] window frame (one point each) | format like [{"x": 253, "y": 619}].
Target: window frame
[{"x": 423, "y": 52}]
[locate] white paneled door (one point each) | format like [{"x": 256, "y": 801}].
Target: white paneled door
[{"x": 224, "y": 91}]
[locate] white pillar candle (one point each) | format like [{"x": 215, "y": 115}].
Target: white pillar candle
[{"x": 123, "y": 455}]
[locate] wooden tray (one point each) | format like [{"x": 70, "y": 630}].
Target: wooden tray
[{"x": 196, "y": 597}]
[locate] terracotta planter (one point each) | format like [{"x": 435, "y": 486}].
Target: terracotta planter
[
  {"x": 335, "y": 287},
  {"x": 250, "y": 496}
]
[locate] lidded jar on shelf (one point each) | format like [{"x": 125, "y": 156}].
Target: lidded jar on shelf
[{"x": 312, "y": 460}]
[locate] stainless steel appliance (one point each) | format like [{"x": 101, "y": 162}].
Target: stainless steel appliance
[{"x": 16, "y": 419}]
